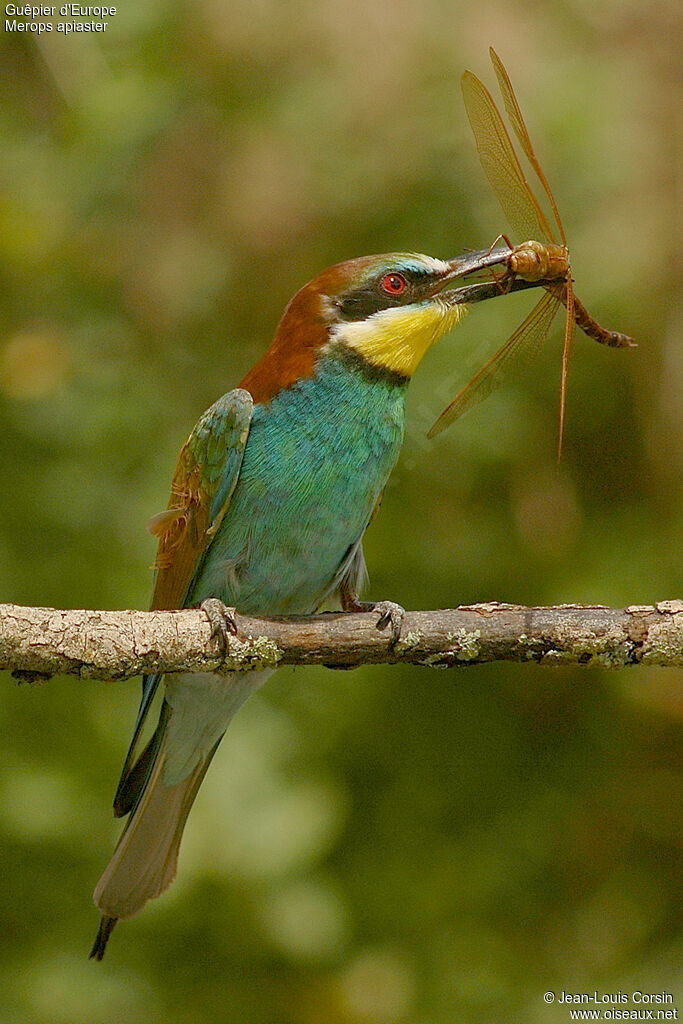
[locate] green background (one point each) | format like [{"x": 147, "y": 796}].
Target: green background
[{"x": 392, "y": 845}]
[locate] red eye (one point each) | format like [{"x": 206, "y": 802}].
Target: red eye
[{"x": 395, "y": 284}]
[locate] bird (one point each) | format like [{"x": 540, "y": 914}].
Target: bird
[{"x": 272, "y": 494}]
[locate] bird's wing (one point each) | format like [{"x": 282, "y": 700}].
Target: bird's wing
[{"x": 205, "y": 478}]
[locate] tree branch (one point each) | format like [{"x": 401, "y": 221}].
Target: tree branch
[{"x": 38, "y": 643}]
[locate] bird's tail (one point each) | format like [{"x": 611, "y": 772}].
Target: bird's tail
[
  {"x": 161, "y": 789},
  {"x": 145, "y": 860}
]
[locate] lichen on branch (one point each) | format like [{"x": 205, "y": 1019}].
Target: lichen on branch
[{"x": 37, "y": 643}]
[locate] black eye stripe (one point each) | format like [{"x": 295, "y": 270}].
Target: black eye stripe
[{"x": 363, "y": 302}]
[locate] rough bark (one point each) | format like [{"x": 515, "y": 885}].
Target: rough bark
[{"x": 38, "y": 643}]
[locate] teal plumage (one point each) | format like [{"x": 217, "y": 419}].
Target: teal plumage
[
  {"x": 269, "y": 503},
  {"x": 316, "y": 463}
]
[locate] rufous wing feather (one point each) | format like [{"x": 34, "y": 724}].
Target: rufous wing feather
[
  {"x": 204, "y": 481},
  {"x": 203, "y": 484}
]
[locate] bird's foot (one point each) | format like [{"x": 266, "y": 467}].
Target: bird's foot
[
  {"x": 221, "y": 619},
  {"x": 389, "y": 612}
]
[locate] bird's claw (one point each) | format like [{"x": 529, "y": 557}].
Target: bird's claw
[
  {"x": 390, "y": 613},
  {"x": 221, "y": 619}
]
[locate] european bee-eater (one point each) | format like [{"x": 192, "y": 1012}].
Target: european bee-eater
[{"x": 272, "y": 494}]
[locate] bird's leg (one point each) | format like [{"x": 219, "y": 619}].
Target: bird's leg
[
  {"x": 390, "y": 613},
  {"x": 221, "y": 619}
]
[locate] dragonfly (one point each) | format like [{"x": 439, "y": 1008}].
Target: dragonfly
[{"x": 545, "y": 261}]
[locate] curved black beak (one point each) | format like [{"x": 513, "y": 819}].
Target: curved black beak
[
  {"x": 461, "y": 267},
  {"x": 482, "y": 259}
]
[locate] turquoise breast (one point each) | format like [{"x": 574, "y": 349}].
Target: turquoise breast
[{"x": 316, "y": 461}]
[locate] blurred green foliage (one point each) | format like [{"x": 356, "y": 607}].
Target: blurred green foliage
[{"x": 388, "y": 846}]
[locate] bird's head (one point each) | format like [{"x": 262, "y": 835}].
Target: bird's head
[{"x": 389, "y": 309}]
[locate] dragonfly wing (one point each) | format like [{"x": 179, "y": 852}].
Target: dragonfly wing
[
  {"x": 518, "y": 123},
  {"x": 501, "y": 164},
  {"x": 520, "y": 348},
  {"x": 568, "y": 298}
]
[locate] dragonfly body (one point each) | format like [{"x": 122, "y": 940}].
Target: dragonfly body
[
  {"x": 546, "y": 260},
  {"x": 536, "y": 261}
]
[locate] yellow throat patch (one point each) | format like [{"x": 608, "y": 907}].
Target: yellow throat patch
[{"x": 398, "y": 338}]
